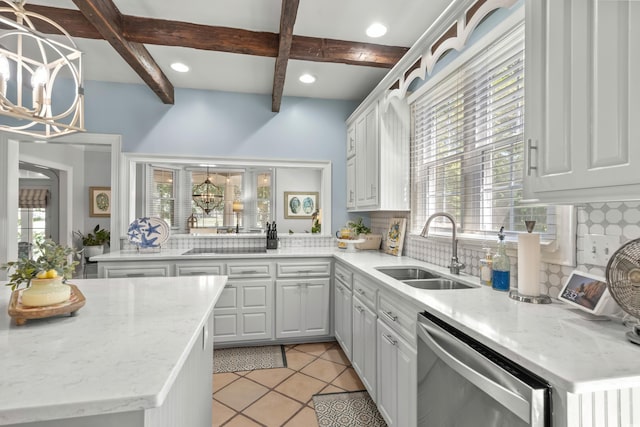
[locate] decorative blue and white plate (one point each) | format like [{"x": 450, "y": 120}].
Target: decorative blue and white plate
[{"x": 148, "y": 232}]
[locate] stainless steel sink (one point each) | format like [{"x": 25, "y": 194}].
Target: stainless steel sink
[
  {"x": 435, "y": 284},
  {"x": 407, "y": 273}
]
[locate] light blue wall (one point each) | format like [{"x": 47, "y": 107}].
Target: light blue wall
[{"x": 224, "y": 124}]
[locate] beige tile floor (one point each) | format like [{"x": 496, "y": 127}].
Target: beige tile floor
[{"x": 282, "y": 396}]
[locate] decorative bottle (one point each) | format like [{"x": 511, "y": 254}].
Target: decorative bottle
[
  {"x": 486, "y": 268},
  {"x": 501, "y": 266}
]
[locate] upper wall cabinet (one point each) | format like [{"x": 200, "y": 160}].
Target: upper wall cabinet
[
  {"x": 381, "y": 160},
  {"x": 582, "y": 124}
]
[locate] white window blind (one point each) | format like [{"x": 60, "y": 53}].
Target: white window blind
[
  {"x": 162, "y": 194},
  {"x": 467, "y": 146}
]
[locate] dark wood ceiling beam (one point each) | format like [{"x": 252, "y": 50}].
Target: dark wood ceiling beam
[
  {"x": 233, "y": 40},
  {"x": 287, "y": 20},
  {"x": 345, "y": 52},
  {"x": 106, "y": 18}
]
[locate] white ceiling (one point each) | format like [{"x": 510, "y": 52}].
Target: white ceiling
[{"x": 406, "y": 20}]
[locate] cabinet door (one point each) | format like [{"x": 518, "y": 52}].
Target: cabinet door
[
  {"x": 342, "y": 318},
  {"x": 244, "y": 311},
  {"x": 397, "y": 378},
  {"x": 387, "y": 375},
  {"x": 364, "y": 345},
  {"x": 372, "y": 164},
  {"x": 351, "y": 183},
  {"x": 582, "y": 100},
  {"x": 316, "y": 307},
  {"x": 302, "y": 308}
]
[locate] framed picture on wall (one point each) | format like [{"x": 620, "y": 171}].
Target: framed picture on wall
[
  {"x": 300, "y": 204},
  {"x": 100, "y": 201}
]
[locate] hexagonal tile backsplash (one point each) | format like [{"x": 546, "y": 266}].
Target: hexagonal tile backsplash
[{"x": 620, "y": 219}]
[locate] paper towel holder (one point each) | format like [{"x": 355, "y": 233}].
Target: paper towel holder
[{"x": 538, "y": 299}]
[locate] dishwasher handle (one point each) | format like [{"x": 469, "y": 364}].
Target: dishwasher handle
[{"x": 430, "y": 333}]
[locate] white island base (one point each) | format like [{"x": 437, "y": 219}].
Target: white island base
[{"x": 140, "y": 353}]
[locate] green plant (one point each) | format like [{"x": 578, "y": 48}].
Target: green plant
[
  {"x": 52, "y": 256},
  {"x": 100, "y": 236},
  {"x": 358, "y": 227}
]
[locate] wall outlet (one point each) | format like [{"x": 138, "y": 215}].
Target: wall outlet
[{"x": 599, "y": 248}]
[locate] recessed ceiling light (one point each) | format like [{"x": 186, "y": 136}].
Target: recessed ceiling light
[
  {"x": 376, "y": 30},
  {"x": 307, "y": 78},
  {"x": 180, "y": 67}
]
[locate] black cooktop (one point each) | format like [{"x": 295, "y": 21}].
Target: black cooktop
[{"x": 248, "y": 250}]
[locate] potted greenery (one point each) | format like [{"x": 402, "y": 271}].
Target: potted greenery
[
  {"x": 359, "y": 229},
  {"x": 94, "y": 242},
  {"x": 43, "y": 276}
]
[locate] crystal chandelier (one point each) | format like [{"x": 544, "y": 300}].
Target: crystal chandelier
[
  {"x": 207, "y": 195},
  {"x": 33, "y": 70}
]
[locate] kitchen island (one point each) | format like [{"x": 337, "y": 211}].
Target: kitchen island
[{"x": 139, "y": 353}]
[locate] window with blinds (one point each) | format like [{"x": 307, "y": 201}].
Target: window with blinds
[
  {"x": 162, "y": 197},
  {"x": 467, "y": 146}
]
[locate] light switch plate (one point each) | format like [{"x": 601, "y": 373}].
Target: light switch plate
[{"x": 599, "y": 248}]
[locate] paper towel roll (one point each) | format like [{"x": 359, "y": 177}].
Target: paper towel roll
[{"x": 529, "y": 264}]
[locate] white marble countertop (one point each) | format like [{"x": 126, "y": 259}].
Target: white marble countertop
[
  {"x": 121, "y": 352},
  {"x": 553, "y": 340}
]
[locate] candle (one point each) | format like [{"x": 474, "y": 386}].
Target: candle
[{"x": 529, "y": 264}]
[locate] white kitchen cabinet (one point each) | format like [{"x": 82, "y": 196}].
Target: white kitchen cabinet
[
  {"x": 244, "y": 311},
  {"x": 582, "y": 93},
  {"x": 381, "y": 158},
  {"x": 397, "y": 378},
  {"x": 302, "y": 307},
  {"x": 342, "y": 317},
  {"x": 199, "y": 268},
  {"x": 135, "y": 269},
  {"x": 364, "y": 345}
]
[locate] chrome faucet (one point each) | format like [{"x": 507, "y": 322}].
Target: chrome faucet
[{"x": 456, "y": 265}]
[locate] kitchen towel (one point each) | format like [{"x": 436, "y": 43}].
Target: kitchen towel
[{"x": 529, "y": 264}]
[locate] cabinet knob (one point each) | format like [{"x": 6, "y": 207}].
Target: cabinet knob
[
  {"x": 359, "y": 308},
  {"x": 361, "y": 291}
]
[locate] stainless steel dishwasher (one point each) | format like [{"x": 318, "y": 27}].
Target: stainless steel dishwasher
[{"x": 463, "y": 383}]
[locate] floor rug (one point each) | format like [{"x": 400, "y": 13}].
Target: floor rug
[
  {"x": 347, "y": 409},
  {"x": 248, "y": 358}
]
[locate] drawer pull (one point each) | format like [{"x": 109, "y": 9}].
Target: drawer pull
[
  {"x": 341, "y": 276},
  {"x": 228, "y": 286},
  {"x": 248, "y": 272},
  {"x": 305, "y": 271},
  {"x": 530, "y": 148},
  {"x": 361, "y": 291},
  {"x": 359, "y": 308},
  {"x": 197, "y": 273},
  {"x": 135, "y": 275},
  {"x": 389, "y": 339},
  {"x": 389, "y": 315},
  {"x": 340, "y": 289}
]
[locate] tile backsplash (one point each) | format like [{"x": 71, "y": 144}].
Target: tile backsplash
[{"x": 620, "y": 219}]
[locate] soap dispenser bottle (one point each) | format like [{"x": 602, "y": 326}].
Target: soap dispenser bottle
[
  {"x": 486, "y": 268},
  {"x": 501, "y": 266}
]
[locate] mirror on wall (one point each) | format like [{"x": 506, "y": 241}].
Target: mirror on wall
[{"x": 220, "y": 196}]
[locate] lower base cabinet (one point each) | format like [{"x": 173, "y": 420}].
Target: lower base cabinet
[
  {"x": 244, "y": 311},
  {"x": 342, "y": 317},
  {"x": 397, "y": 378},
  {"x": 364, "y": 345},
  {"x": 302, "y": 307}
]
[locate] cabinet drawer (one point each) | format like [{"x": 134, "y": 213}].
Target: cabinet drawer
[
  {"x": 239, "y": 271},
  {"x": 365, "y": 290},
  {"x": 199, "y": 269},
  {"x": 343, "y": 274},
  {"x": 306, "y": 269},
  {"x": 122, "y": 272},
  {"x": 400, "y": 317}
]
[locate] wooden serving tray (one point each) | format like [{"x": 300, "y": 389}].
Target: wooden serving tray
[{"x": 23, "y": 313}]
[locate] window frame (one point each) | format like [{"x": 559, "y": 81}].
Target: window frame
[{"x": 562, "y": 249}]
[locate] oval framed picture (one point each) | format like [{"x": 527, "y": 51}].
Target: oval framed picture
[{"x": 100, "y": 201}]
